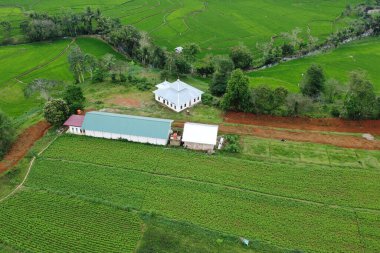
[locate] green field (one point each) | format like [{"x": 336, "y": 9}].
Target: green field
[
  {"x": 216, "y": 25},
  {"x": 337, "y": 64},
  {"x": 316, "y": 208}
]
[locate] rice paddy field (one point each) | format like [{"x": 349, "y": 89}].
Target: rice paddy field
[
  {"x": 337, "y": 64},
  {"x": 307, "y": 206},
  {"x": 215, "y": 24}
]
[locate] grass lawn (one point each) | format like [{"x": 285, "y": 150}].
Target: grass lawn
[
  {"x": 337, "y": 64},
  {"x": 298, "y": 152}
]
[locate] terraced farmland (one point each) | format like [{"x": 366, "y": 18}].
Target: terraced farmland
[
  {"x": 360, "y": 55},
  {"x": 216, "y": 25},
  {"x": 37, "y": 221},
  {"x": 269, "y": 202}
]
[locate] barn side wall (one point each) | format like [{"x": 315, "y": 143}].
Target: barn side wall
[
  {"x": 198, "y": 146},
  {"x": 132, "y": 138}
]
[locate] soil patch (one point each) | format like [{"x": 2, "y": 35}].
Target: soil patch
[
  {"x": 22, "y": 145},
  {"x": 344, "y": 141},
  {"x": 127, "y": 102},
  {"x": 324, "y": 125}
]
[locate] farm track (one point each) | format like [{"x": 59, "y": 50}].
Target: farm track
[
  {"x": 299, "y": 200},
  {"x": 271, "y": 131},
  {"x": 27, "y": 173},
  {"x": 323, "y": 125},
  {"x": 22, "y": 145}
]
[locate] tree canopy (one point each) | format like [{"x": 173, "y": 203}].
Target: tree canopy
[
  {"x": 360, "y": 101},
  {"x": 7, "y": 134},
  {"x": 56, "y": 112},
  {"x": 313, "y": 82},
  {"x": 237, "y": 96},
  {"x": 74, "y": 98}
]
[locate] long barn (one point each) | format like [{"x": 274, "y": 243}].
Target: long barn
[{"x": 127, "y": 127}]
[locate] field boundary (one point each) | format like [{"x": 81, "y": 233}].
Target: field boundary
[
  {"x": 28, "y": 171},
  {"x": 304, "y": 201}
]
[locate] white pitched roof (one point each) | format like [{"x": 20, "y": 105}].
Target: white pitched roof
[
  {"x": 178, "y": 93},
  {"x": 200, "y": 133}
]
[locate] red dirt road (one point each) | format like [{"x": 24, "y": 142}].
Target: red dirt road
[
  {"x": 22, "y": 145},
  {"x": 324, "y": 125},
  {"x": 344, "y": 141}
]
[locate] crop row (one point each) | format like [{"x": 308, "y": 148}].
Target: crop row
[
  {"x": 316, "y": 183},
  {"x": 37, "y": 221},
  {"x": 282, "y": 222}
]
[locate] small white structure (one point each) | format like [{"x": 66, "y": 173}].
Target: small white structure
[
  {"x": 74, "y": 123},
  {"x": 178, "y": 95},
  {"x": 200, "y": 136},
  {"x": 178, "y": 50}
]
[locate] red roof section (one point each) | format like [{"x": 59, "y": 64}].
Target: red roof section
[{"x": 74, "y": 120}]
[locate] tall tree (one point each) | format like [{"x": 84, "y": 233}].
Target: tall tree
[
  {"x": 313, "y": 82},
  {"x": 223, "y": 68},
  {"x": 7, "y": 134},
  {"x": 237, "y": 97},
  {"x": 190, "y": 51},
  {"x": 56, "y": 112},
  {"x": 6, "y": 29},
  {"x": 241, "y": 57},
  {"x": 43, "y": 86},
  {"x": 360, "y": 101},
  {"x": 74, "y": 98},
  {"x": 76, "y": 60}
]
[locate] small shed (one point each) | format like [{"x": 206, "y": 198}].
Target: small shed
[
  {"x": 74, "y": 123},
  {"x": 200, "y": 136}
]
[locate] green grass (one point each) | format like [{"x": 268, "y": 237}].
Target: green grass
[
  {"x": 319, "y": 183},
  {"x": 54, "y": 223},
  {"x": 44, "y": 61},
  {"x": 217, "y": 24},
  {"x": 337, "y": 64},
  {"x": 298, "y": 152},
  {"x": 233, "y": 196}
]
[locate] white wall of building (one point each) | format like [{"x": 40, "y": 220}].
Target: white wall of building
[
  {"x": 75, "y": 130},
  {"x": 132, "y": 138},
  {"x": 181, "y": 107}
]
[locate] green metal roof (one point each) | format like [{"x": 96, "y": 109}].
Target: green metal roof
[{"x": 127, "y": 125}]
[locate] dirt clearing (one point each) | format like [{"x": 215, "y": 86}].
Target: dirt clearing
[
  {"x": 127, "y": 102},
  {"x": 323, "y": 125},
  {"x": 22, "y": 145}
]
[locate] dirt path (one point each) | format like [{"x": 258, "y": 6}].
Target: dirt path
[
  {"x": 22, "y": 145},
  {"x": 344, "y": 141},
  {"x": 323, "y": 125}
]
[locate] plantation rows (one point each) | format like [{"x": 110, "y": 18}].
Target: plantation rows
[
  {"x": 36, "y": 221},
  {"x": 348, "y": 187},
  {"x": 285, "y": 223}
]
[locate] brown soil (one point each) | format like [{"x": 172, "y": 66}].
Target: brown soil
[
  {"x": 324, "y": 125},
  {"x": 22, "y": 145},
  {"x": 344, "y": 141},
  {"x": 127, "y": 102}
]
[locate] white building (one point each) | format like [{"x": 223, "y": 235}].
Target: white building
[
  {"x": 178, "y": 95},
  {"x": 178, "y": 50},
  {"x": 74, "y": 123},
  {"x": 200, "y": 136},
  {"x": 127, "y": 127}
]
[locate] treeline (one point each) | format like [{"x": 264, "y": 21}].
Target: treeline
[{"x": 356, "y": 100}]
